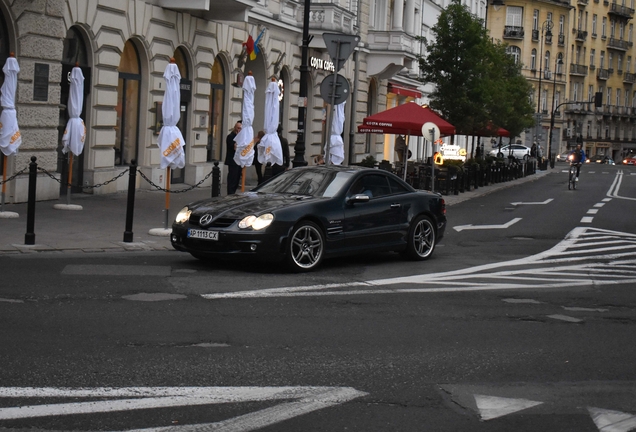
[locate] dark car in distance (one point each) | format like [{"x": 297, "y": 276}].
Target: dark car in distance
[{"x": 306, "y": 214}]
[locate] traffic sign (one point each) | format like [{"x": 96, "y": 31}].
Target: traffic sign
[
  {"x": 335, "y": 88},
  {"x": 340, "y": 46}
]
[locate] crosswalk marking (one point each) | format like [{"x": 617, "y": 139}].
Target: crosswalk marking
[
  {"x": 294, "y": 401},
  {"x": 612, "y": 421},
  {"x": 586, "y": 257},
  {"x": 491, "y": 407}
]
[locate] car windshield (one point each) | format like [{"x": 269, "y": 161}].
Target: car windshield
[{"x": 313, "y": 182}]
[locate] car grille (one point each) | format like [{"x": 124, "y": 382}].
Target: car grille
[{"x": 216, "y": 223}]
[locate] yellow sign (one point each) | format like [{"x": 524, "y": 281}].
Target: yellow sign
[{"x": 438, "y": 158}]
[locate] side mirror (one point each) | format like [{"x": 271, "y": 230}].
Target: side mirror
[{"x": 359, "y": 198}]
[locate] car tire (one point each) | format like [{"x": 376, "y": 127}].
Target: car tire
[
  {"x": 306, "y": 247},
  {"x": 526, "y": 157},
  {"x": 421, "y": 239}
]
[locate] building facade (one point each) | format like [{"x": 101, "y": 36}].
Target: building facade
[
  {"x": 570, "y": 51},
  {"x": 123, "y": 47}
]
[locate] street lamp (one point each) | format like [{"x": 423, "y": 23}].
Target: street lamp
[
  {"x": 299, "y": 147},
  {"x": 557, "y": 62},
  {"x": 546, "y": 28}
]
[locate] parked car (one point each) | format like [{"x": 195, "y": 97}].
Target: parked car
[
  {"x": 518, "y": 151},
  {"x": 306, "y": 214},
  {"x": 629, "y": 160}
]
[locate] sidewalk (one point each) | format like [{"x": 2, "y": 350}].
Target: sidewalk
[{"x": 100, "y": 225}]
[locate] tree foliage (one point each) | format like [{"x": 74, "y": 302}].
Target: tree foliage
[{"x": 476, "y": 82}]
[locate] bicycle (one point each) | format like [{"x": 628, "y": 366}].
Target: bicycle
[{"x": 572, "y": 176}]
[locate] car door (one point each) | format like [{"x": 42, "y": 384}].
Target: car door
[{"x": 371, "y": 224}]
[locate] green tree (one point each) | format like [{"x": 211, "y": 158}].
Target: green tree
[{"x": 476, "y": 81}]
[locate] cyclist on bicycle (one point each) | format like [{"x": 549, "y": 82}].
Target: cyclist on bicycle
[{"x": 577, "y": 157}]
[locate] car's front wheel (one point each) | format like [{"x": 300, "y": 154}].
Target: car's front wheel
[
  {"x": 500, "y": 155},
  {"x": 306, "y": 247},
  {"x": 421, "y": 239}
]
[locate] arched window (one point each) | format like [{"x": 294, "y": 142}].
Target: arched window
[
  {"x": 515, "y": 52},
  {"x": 533, "y": 60},
  {"x": 128, "y": 94},
  {"x": 217, "y": 111}
]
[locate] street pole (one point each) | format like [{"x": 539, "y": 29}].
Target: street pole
[
  {"x": 557, "y": 62},
  {"x": 546, "y": 28},
  {"x": 299, "y": 147}
]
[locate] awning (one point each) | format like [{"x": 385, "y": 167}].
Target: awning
[{"x": 404, "y": 91}]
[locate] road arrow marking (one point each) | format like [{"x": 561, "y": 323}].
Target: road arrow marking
[
  {"x": 612, "y": 421},
  {"x": 478, "y": 227},
  {"x": 295, "y": 401},
  {"x": 533, "y": 203},
  {"x": 491, "y": 407}
]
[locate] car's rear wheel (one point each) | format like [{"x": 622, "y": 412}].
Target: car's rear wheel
[
  {"x": 306, "y": 247},
  {"x": 421, "y": 239},
  {"x": 500, "y": 155}
]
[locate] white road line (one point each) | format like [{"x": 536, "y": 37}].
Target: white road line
[
  {"x": 592, "y": 211},
  {"x": 599, "y": 205},
  {"x": 587, "y": 219},
  {"x": 491, "y": 407},
  {"x": 565, "y": 318},
  {"x": 295, "y": 401},
  {"x": 606, "y": 199},
  {"x": 533, "y": 203},
  {"x": 612, "y": 421},
  {"x": 479, "y": 227}
]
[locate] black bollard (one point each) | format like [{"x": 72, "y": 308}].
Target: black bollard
[
  {"x": 29, "y": 237},
  {"x": 216, "y": 180},
  {"x": 130, "y": 207}
]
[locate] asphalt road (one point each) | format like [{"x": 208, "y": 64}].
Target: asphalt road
[{"x": 525, "y": 325}]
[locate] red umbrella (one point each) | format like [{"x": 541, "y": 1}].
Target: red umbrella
[
  {"x": 492, "y": 130},
  {"x": 406, "y": 119}
]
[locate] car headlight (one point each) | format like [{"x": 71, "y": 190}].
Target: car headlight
[
  {"x": 183, "y": 215},
  {"x": 256, "y": 223}
]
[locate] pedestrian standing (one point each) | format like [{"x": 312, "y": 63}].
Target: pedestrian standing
[
  {"x": 277, "y": 169},
  {"x": 233, "y": 169}
]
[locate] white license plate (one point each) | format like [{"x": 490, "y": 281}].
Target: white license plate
[{"x": 203, "y": 234}]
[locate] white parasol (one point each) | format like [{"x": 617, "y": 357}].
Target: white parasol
[
  {"x": 336, "y": 146},
  {"x": 75, "y": 133},
  {"x": 170, "y": 140},
  {"x": 245, "y": 138},
  {"x": 270, "y": 150},
  {"x": 10, "y": 138}
]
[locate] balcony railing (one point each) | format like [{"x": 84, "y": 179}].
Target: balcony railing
[
  {"x": 535, "y": 35},
  {"x": 618, "y": 44},
  {"x": 561, "y": 39},
  {"x": 332, "y": 18},
  {"x": 513, "y": 32},
  {"x": 577, "y": 69},
  {"x": 582, "y": 2},
  {"x": 397, "y": 41},
  {"x": 580, "y": 35},
  {"x": 620, "y": 10},
  {"x": 602, "y": 74},
  {"x": 629, "y": 78}
]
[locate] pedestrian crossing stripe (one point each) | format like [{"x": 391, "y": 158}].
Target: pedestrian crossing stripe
[
  {"x": 293, "y": 402},
  {"x": 612, "y": 421},
  {"x": 586, "y": 257},
  {"x": 491, "y": 407}
]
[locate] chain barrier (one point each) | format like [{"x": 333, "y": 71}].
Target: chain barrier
[
  {"x": 14, "y": 175},
  {"x": 121, "y": 174},
  {"x": 178, "y": 190},
  {"x": 118, "y": 176}
]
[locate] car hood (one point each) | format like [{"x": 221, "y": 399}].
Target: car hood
[{"x": 250, "y": 203}]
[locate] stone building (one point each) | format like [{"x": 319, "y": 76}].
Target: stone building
[
  {"x": 123, "y": 47},
  {"x": 571, "y": 51}
]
